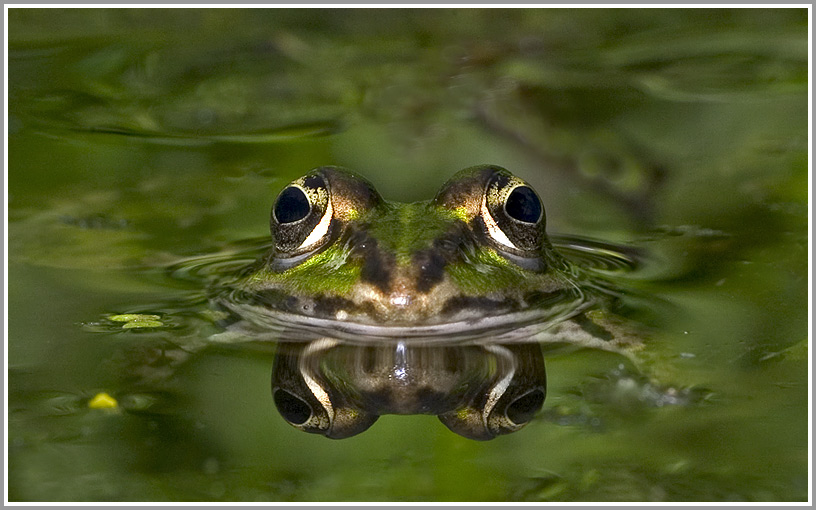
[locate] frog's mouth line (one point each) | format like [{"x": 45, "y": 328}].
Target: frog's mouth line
[{"x": 262, "y": 323}]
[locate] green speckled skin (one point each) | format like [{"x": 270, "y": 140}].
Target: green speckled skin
[{"x": 458, "y": 255}]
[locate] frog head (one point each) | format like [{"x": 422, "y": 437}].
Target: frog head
[{"x": 342, "y": 253}]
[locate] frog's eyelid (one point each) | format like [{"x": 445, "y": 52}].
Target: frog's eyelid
[
  {"x": 493, "y": 228},
  {"x": 320, "y": 230}
]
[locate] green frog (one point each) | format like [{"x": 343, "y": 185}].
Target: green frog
[
  {"x": 440, "y": 307},
  {"x": 436, "y": 307},
  {"x": 475, "y": 260}
]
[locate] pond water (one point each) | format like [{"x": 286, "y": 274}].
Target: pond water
[{"x": 145, "y": 150}]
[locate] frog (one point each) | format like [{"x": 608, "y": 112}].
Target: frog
[
  {"x": 474, "y": 260},
  {"x": 400, "y": 286}
]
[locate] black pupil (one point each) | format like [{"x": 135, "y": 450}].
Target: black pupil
[
  {"x": 523, "y": 408},
  {"x": 523, "y": 205},
  {"x": 292, "y": 205},
  {"x": 293, "y": 409}
]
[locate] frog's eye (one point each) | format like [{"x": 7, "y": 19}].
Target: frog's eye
[
  {"x": 312, "y": 210},
  {"x": 292, "y": 205},
  {"x": 302, "y": 216},
  {"x": 523, "y": 205},
  {"x": 294, "y": 410},
  {"x": 298, "y": 407},
  {"x": 503, "y": 208},
  {"x": 512, "y": 214}
]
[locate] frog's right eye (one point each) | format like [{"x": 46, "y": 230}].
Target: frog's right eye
[
  {"x": 302, "y": 216},
  {"x": 522, "y": 204}
]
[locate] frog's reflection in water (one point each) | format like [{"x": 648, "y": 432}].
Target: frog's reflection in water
[{"x": 340, "y": 389}]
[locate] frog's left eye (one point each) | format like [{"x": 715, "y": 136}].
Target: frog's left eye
[
  {"x": 292, "y": 205},
  {"x": 312, "y": 211},
  {"x": 302, "y": 215}
]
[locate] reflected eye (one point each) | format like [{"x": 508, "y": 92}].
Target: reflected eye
[
  {"x": 523, "y": 205},
  {"x": 293, "y": 409},
  {"x": 292, "y": 205},
  {"x": 523, "y": 409}
]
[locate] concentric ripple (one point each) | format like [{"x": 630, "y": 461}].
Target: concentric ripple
[{"x": 597, "y": 255}]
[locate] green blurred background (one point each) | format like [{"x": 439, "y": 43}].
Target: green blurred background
[{"x": 138, "y": 137}]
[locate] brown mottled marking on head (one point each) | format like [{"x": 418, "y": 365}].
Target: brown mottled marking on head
[
  {"x": 350, "y": 194},
  {"x": 464, "y": 190}
]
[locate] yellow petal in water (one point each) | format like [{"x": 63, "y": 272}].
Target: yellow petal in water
[{"x": 103, "y": 401}]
